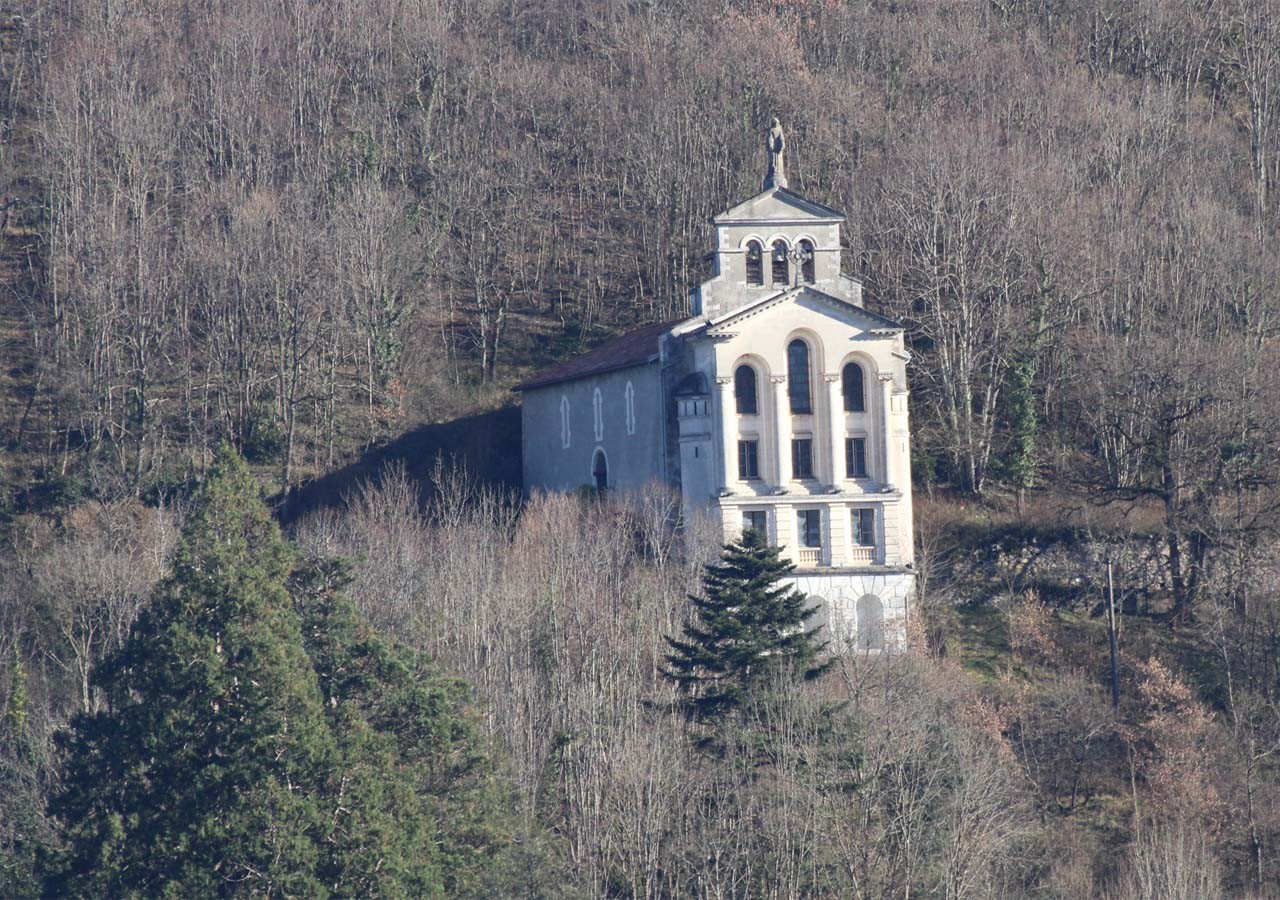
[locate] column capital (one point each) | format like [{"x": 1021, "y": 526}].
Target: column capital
[
  {"x": 885, "y": 377},
  {"x": 777, "y": 379},
  {"x": 723, "y": 380},
  {"x": 831, "y": 377}
]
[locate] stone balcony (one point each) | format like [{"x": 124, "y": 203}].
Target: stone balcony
[{"x": 809, "y": 557}]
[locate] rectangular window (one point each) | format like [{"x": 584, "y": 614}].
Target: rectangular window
[
  {"x": 748, "y": 459},
  {"x": 755, "y": 520},
  {"x": 809, "y": 522},
  {"x": 864, "y": 527},
  {"x": 802, "y": 458},
  {"x": 855, "y": 457}
]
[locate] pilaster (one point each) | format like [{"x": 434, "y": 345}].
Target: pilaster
[
  {"x": 782, "y": 431},
  {"x": 886, "y": 429},
  {"x": 728, "y": 435},
  {"x": 835, "y": 430}
]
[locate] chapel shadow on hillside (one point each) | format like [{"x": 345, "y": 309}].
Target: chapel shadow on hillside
[{"x": 486, "y": 444}]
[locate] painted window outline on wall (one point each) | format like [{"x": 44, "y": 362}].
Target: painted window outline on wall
[
  {"x": 565, "y": 436},
  {"x": 597, "y": 408},
  {"x": 630, "y": 394},
  {"x": 869, "y": 612}
]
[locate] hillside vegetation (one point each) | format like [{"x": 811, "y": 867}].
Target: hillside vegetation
[{"x": 334, "y": 234}]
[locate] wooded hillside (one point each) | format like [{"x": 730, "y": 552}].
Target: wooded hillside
[
  {"x": 307, "y": 226},
  {"x": 334, "y": 233}
]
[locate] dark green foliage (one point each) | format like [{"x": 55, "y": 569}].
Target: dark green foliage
[
  {"x": 22, "y": 828},
  {"x": 204, "y": 774},
  {"x": 424, "y": 816},
  {"x": 229, "y": 761},
  {"x": 1023, "y": 424},
  {"x": 748, "y": 631}
]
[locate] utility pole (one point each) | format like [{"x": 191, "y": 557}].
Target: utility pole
[{"x": 1111, "y": 632}]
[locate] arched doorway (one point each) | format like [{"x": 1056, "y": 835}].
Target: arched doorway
[{"x": 600, "y": 471}]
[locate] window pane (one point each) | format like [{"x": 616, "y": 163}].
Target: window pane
[
  {"x": 744, "y": 390},
  {"x": 854, "y": 389},
  {"x": 810, "y": 527},
  {"x": 855, "y": 457},
  {"x": 864, "y": 527},
  {"x": 798, "y": 377},
  {"x": 802, "y": 458},
  {"x": 754, "y": 520},
  {"x": 748, "y": 459}
]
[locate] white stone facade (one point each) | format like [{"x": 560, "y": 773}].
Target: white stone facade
[{"x": 780, "y": 402}]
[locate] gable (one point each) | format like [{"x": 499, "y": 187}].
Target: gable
[
  {"x": 799, "y": 306},
  {"x": 778, "y": 206}
]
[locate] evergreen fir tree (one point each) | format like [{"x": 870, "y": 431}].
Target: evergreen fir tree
[
  {"x": 749, "y": 629},
  {"x": 422, "y": 815},
  {"x": 260, "y": 738},
  {"x": 203, "y": 776}
]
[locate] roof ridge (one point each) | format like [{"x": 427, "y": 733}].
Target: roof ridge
[{"x": 622, "y": 351}]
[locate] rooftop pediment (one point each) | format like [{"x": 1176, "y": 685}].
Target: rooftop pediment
[
  {"x": 778, "y": 205},
  {"x": 806, "y": 296}
]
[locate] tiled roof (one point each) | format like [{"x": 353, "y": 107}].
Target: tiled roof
[{"x": 631, "y": 349}]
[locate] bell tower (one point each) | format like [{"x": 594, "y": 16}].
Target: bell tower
[{"x": 774, "y": 242}]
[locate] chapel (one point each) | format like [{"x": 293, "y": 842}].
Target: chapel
[{"x": 779, "y": 404}]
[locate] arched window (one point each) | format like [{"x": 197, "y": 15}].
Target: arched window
[
  {"x": 600, "y": 471},
  {"x": 755, "y": 263},
  {"x": 744, "y": 390},
  {"x": 870, "y": 613},
  {"x": 855, "y": 393},
  {"x": 806, "y": 263},
  {"x": 564, "y": 422},
  {"x": 798, "y": 377},
  {"x": 597, "y": 408},
  {"x": 780, "y": 264}
]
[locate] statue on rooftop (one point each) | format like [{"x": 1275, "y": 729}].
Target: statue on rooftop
[{"x": 774, "y": 144}]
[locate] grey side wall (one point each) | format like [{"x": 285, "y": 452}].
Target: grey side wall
[{"x": 634, "y": 459}]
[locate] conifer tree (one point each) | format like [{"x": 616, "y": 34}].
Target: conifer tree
[
  {"x": 421, "y": 814},
  {"x": 260, "y": 739},
  {"x": 203, "y": 775},
  {"x": 749, "y": 629}
]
